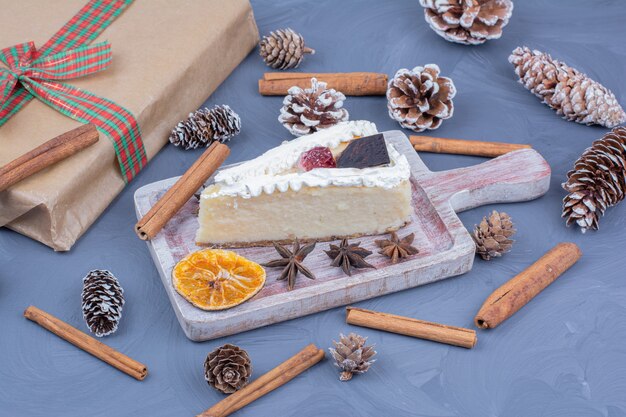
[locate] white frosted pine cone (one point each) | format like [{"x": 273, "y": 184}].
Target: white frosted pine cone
[
  {"x": 597, "y": 181},
  {"x": 205, "y": 126},
  {"x": 571, "y": 93},
  {"x": 420, "y": 98},
  {"x": 308, "y": 110},
  {"x": 469, "y": 22},
  {"x": 102, "y": 302}
]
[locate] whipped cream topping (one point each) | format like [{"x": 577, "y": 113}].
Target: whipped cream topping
[{"x": 273, "y": 170}]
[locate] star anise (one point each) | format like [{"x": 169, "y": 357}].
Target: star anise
[
  {"x": 348, "y": 255},
  {"x": 396, "y": 248},
  {"x": 291, "y": 261}
]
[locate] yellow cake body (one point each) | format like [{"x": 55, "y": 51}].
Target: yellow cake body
[
  {"x": 267, "y": 199},
  {"x": 311, "y": 213}
]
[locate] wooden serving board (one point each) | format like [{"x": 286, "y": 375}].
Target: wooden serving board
[{"x": 446, "y": 247}]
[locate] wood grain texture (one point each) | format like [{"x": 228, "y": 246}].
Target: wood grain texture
[{"x": 446, "y": 248}]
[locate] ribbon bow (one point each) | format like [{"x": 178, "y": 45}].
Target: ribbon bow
[{"x": 32, "y": 72}]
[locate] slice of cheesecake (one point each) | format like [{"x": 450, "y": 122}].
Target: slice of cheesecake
[{"x": 344, "y": 181}]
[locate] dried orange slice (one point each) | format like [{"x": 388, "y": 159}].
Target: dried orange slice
[{"x": 215, "y": 279}]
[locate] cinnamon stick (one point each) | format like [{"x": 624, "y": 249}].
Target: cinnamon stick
[
  {"x": 267, "y": 382},
  {"x": 349, "y": 83},
  {"x": 51, "y": 152},
  {"x": 463, "y": 147},
  {"x": 87, "y": 343},
  {"x": 517, "y": 292},
  {"x": 457, "y": 336},
  {"x": 168, "y": 205}
]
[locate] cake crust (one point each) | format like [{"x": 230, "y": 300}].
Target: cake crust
[{"x": 260, "y": 243}]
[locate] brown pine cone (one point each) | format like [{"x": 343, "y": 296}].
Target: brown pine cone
[
  {"x": 205, "y": 126},
  {"x": 308, "y": 110},
  {"x": 352, "y": 356},
  {"x": 492, "y": 236},
  {"x": 571, "y": 93},
  {"x": 470, "y": 22},
  {"x": 283, "y": 49},
  {"x": 420, "y": 99},
  {"x": 597, "y": 181},
  {"x": 227, "y": 368}
]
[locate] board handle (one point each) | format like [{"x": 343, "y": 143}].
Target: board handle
[{"x": 516, "y": 176}]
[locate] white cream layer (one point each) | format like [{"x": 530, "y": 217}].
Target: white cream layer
[{"x": 270, "y": 171}]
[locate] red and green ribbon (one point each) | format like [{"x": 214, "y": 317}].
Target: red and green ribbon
[{"x": 37, "y": 73}]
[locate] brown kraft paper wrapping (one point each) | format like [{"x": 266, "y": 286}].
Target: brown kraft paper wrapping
[{"x": 168, "y": 57}]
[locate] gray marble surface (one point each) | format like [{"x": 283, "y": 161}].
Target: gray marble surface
[{"x": 562, "y": 355}]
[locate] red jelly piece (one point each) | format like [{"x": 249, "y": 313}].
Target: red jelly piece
[{"x": 318, "y": 157}]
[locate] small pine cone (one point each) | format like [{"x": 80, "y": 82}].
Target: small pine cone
[
  {"x": 102, "y": 302},
  {"x": 597, "y": 181},
  {"x": 470, "y": 22},
  {"x": 352, "y": 356},
  {"x": 420, "y": 99},
  {"x": 227, "y": 368},
  {"x": 312, "y": 109},
  {"x": 571, "y": 93},
  {"x": 492, "y": 236},
  {"x": 283, "y": 49},
  {"x": 205, "y": 126}
]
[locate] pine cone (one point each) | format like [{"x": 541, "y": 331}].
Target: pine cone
[
  {"x": 227, "y": 368},
  {"x": 312, "y": 109},
  {"x": 420, "y": 99},
  {"x": 102, "y": 302},
  {"x": 352, "y": 356},
  {"x": 470, "y": 22},
  {"x": 492, "y": 236},
  {"x": 571, "y": 93},
  {"x": 283, "y": 49},
  {"x": 597, "y": 181},
  {"x": 205, "y": 126}
]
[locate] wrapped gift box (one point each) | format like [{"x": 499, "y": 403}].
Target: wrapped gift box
[{"x": 168, "y": 57}]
